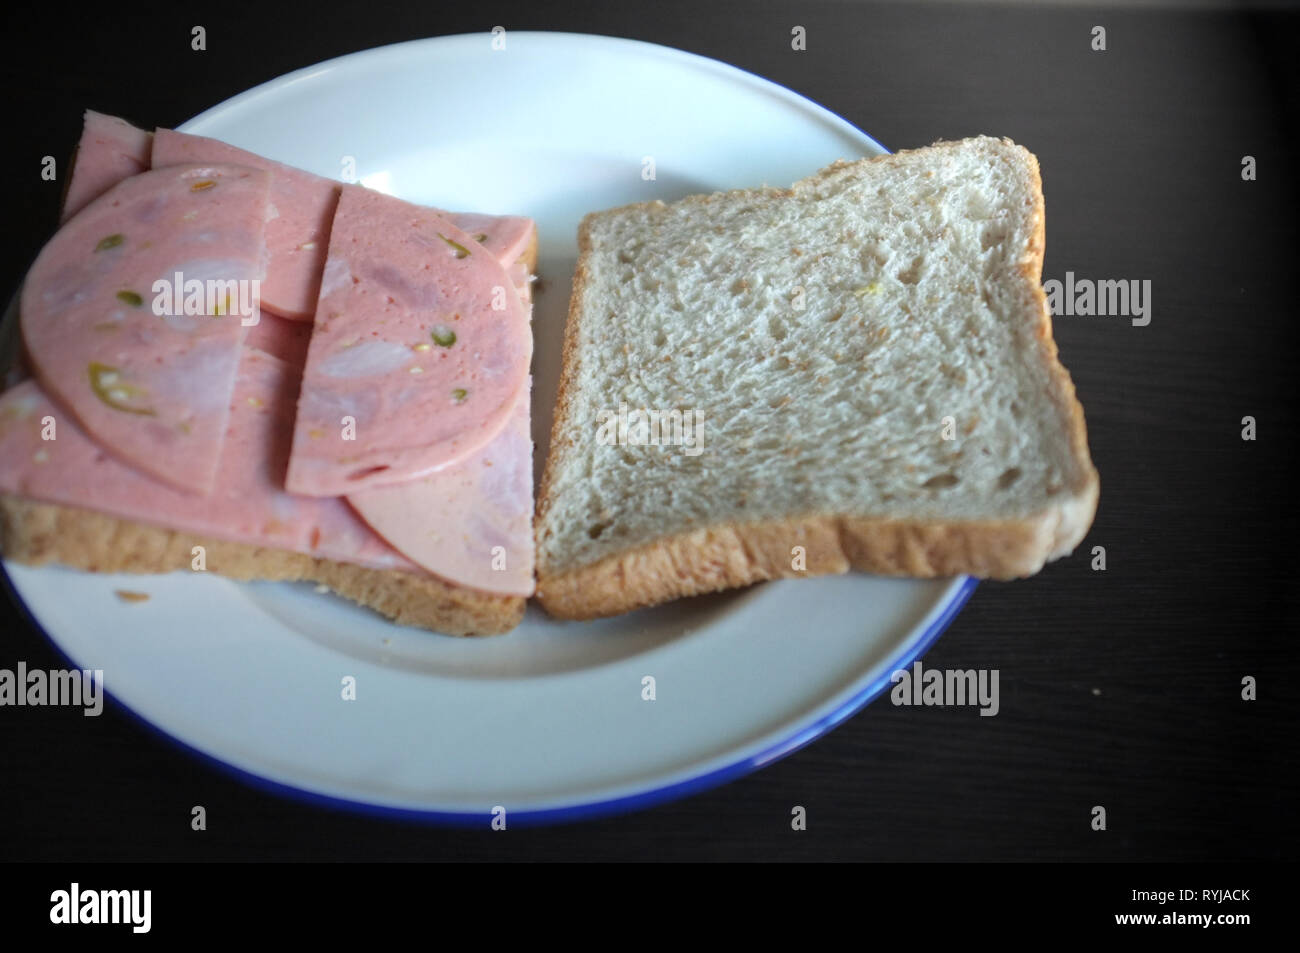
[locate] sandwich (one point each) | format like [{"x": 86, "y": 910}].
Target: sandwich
[{"x": 857, "y": 372}]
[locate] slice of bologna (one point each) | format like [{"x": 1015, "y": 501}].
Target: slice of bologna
[
  {"x": 110, "y": 150},
  {"x": 471, "y": 523},
  {"x": 134, "y": 313},
  {"x": 298, "y": 234},
  {"x": 419, "y": 350},
  {"x": 248, "y": 504}
]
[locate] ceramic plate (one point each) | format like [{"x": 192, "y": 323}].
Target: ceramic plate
[{"x": 548, "y": 722}]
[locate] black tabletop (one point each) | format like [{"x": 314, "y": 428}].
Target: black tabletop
[{"x": 1120, "y": 688}]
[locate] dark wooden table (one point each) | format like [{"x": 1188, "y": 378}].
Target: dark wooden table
[{"x": 1119, "y": 688}]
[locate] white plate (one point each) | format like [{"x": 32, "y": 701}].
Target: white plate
[{"x": 549, "y": 721}]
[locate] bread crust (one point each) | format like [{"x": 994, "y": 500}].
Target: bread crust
[
  {"x": 732, "y": 554},
  {"x": 35, "y": 534}
]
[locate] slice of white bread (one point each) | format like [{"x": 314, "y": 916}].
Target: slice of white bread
[
  {"x": 872, "y": 353},
  {"x": 36, "y": 533}
]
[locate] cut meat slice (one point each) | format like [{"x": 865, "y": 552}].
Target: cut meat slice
[
  {"x": 248, "y": 505},
  {"x": 471, "y": 523},
  {"x": 418, "y": 354},
  {"x": 288, "y": 339},
  {"x": 110, "y": 150},
  {"x": 134, "y": 313},
  {"x": 297, "y": 235}
]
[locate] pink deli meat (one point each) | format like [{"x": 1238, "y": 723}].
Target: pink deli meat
[
  {"x": 288, "y": 339},
  {"x": 135, "y": 312},
  {"x": 471, "y": 523},
  {"x": 418, "y": 354},
  {"x": 110, "y": 150},
  {"x": 248, "y": 504},
  {"x": 297, "y": 235}
]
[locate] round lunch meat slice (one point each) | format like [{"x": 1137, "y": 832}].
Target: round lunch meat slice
[
  {"x": 419, "y": 351},
  {"x": 134, "y": 313},
  {"x": 471, "y": 523}
]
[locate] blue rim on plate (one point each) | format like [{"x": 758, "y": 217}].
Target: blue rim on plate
[
  {"x": 561, "y": 815},
  {"x": 798, "y": 738}
]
